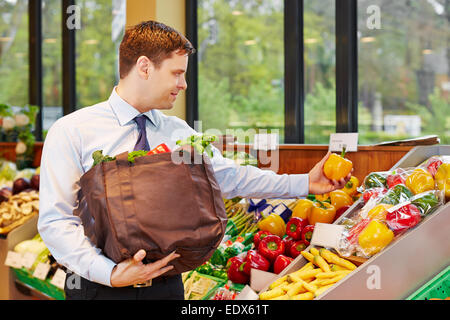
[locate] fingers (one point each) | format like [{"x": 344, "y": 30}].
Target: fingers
[
  {"x": 162, "y": 262},
  {"x": 139, "y": 256},
  {"x": 325, "y": 158}
]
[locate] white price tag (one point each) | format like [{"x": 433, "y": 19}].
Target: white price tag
[
  {"x": 340, "y": 140},
  {"x": 41, "y": 271},
  {"x": 264, "y": 141},
  {"x": 327, "y": 235},
  {"x": 59, "y": 279},
  {"x": 13, "y": 259},
  {"x": 28, "y": 259}
]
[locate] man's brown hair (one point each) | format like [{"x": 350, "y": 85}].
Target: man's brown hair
[{"x": 152, "y": 39}]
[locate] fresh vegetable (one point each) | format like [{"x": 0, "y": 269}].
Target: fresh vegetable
[
  {"x": 303, "y": 208},
  {"x": 395, "y": 178},
  {"x": 259, "y": 236},
  {"x": 403, "y": 218},
  {"x": 340, "y": 211},
  {"x": 442, "y": 177},
  {"x": 426, "y": 202},
  {"x": 295, "y": 226},
  {"x": 235, "y": 272},
  {"x": 99, "y": 157},
  {"x": 330, "y": 257},
  {"x": 379, "y": 211},
  {"x": 136, "y": 154},
  {"x": 321, "y": 263},
  {"x": 399, "y": 193},
  {"x": 340, "y": 198},
  {"x": 281, "y": 262},
  {"x": 271, "y": 247},
  {"x": 374, "y": 193},
  {"x": 354, "y": 232},
  {"x": 274, "y": 224},
  {"x": 322, "y": 212},
  {"x": 256, "y": 261},
  {"x": 375, "y": 180},
  {"x": 296, "y": 248},
  {"x": 337, "y": 167},
  {"x": 200, "y": 143},
  {"x": 322, "y": 197},
  {"x": 375, "y": 236},
  {"x": 288, "y": 242},
  {"x": 307, "y": 233},
  {"x": 420, "y": 181},
  {"x": 433, "y": 165},
  {"x": 351, "y": 186}
]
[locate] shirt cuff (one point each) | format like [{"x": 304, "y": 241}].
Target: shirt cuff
[
  {"x": 101, "y": 270},
  {"x": 299, "y": 185}
]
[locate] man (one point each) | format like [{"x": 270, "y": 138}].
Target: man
[{"x": 153, "y": 63}]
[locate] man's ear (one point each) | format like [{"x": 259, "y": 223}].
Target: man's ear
[{"x": 144, "y": 67}]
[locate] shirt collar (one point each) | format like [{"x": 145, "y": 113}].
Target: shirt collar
[{"x": 126, "y": 112}]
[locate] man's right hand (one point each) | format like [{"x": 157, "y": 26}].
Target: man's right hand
[{"x": 133, "y": 271}]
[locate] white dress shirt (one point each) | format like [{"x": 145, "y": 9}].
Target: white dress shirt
[{"x": 109, "y": 126}]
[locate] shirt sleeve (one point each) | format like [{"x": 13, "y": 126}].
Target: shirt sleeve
[
  {"x": 252, "y": 182},
  {"x": 61, "y": 231}
]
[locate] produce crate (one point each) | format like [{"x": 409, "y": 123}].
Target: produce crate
[
  {"x": 43, "y": 286},
  {"x": 407, "y": 262},
  {"x": 438, "y": 287}
]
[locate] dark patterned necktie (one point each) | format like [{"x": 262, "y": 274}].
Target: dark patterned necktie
[{"x": 142, "y": 142}]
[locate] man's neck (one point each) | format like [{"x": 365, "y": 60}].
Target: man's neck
[{"x": 131, "y": 96}]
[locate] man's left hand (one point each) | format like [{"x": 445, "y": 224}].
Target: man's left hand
[{"x": 319, "y": 183}]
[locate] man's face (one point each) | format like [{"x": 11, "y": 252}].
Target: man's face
[{"x": 165, "y": 82}]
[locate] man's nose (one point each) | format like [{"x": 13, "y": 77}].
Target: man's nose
[{"x": 182, "y": 84}]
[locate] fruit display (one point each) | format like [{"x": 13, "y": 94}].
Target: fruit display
[
  {"x": 394, "y": 202},
  {"x": 323, "y": 271},
  {"x": 19, "y": 208}
]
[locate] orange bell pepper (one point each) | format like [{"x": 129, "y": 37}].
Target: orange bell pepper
[
  {"x": 351, "y": 186},
  {"x": 303, "y": 208},
  {"x": 337, "y": 167},
  {"x": 322, "y": 212},
  {"x": 274, "y": 224},
  {"x": 419, "y": 181},
  {"x": 322, "y": 197},
  {"x": 442, "y": 177},
  {"x": 375, "y": 236},
  {"x": 340, "y": 198}
]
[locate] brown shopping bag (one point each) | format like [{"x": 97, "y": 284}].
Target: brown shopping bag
[{"x": 157, "y": 205}]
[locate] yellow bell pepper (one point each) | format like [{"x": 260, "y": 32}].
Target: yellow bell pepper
[
  {"x": 375, "y": 236},
  {"x": 337, "y": 167},
  {"x": 379, "y": 211},
  {"x": 420, "y": 181},
  {"x": 322, "y": 212},
  {"x": 302, "y": 209},
  {"x": 322, "y": 197},
  {"x": 340, "y": 198},
  {"x": 442, "y": 177},
  {"x": 351, "y": 186},
  {"x": 274, "y": 224}
]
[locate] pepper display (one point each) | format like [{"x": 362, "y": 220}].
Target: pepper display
[
  {"x": 420, "y": 181},
  {"x": 303, "y": 208},
  {"x": 379, "y": 211},
  {"x": 259, "y": 236},
  {"x": 375, "y": 180},
  {"x": 426, "y": 202},
  {"x": 337, "y": 167},
  {"x": 254, "y": 260},
  {"x": 274, "y": 224},
  {"x": 322, "y": 212},
  {"x": 270, "y": 247},
  {"x": 395, "y": 178},
  {"x": 235, "y": 272},
  {"x": 374, "y": 193},
  {"x": 375, "y": 236},
  {"x": 340, "y": 198},
  {"x": 296, "y": 248},
  {"x": 281, "y": 262},
  {"x": 403, "y": 218},
  {"x": 399, "y": 193},
  {"x": 307, "y": 233}
]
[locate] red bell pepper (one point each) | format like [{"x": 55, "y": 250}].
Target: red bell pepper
[
  {"x": 340, "y": 211},
  {"x": 373, "y": 192},
  {"x": 433, "y": 165},
  {"x": 404, "y": 218},
  {"x": 235, "y": 272},
  {"x": 295, "y": 226},
  {"x": 281, "y": 262},
  {"x": 297, "y": 248},
  {"x": 271, "y": 247},
  {"x": 307, "y": 233},
  {"x": 288, "y": 242},
  {"x": 259, "y": 236},
  {"x": 256, "y": 261},
  {"x": 394, "y": 179},
  {"x": 162, "y": 148}
]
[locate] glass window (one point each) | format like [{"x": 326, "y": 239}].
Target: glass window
[
  {"x": 403, "y": 62},
  {"x": 97, "y": 49},
  {"x": 241, "y": 66},
  {"x": 14, "y": 64},
  {"x": 51, "y": 63},
  {"x": 320, "y": 70}
]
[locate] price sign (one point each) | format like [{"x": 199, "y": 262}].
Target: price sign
[
  {"x": 13, "y": 259},
  {"x": 340, "y": 140},
  {"x": 41, "y": 271},
  {"x": 59, "y": 279},
  {"x": 327, "y": 235},
  {"x": 263, "y": 141},
  {"x": 28, "y": 259}
]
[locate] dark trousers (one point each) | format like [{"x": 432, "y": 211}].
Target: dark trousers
[{"x": 162, "y": 288}]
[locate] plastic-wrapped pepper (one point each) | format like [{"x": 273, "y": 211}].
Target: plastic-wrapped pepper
[
  {"x": 379, "y": 211},
  {"x": 442, "y": 177},
  {"x": 426, "y": 203},
  {"x": 399, "y": 193},
  {"x": 375, "y": 180},
  {"x": 403, "y": 218},
  {"x": 420, "y": 181},
  {"x": 337, "y": 167},
  {"x": 375, "y": 236}
]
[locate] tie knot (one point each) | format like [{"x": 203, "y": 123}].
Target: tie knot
[{"x": 140, "y": 120}]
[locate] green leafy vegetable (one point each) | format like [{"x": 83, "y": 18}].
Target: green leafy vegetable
[
  {"x": 99, "y": 157},
  {"x": 136, "y": 154}
]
